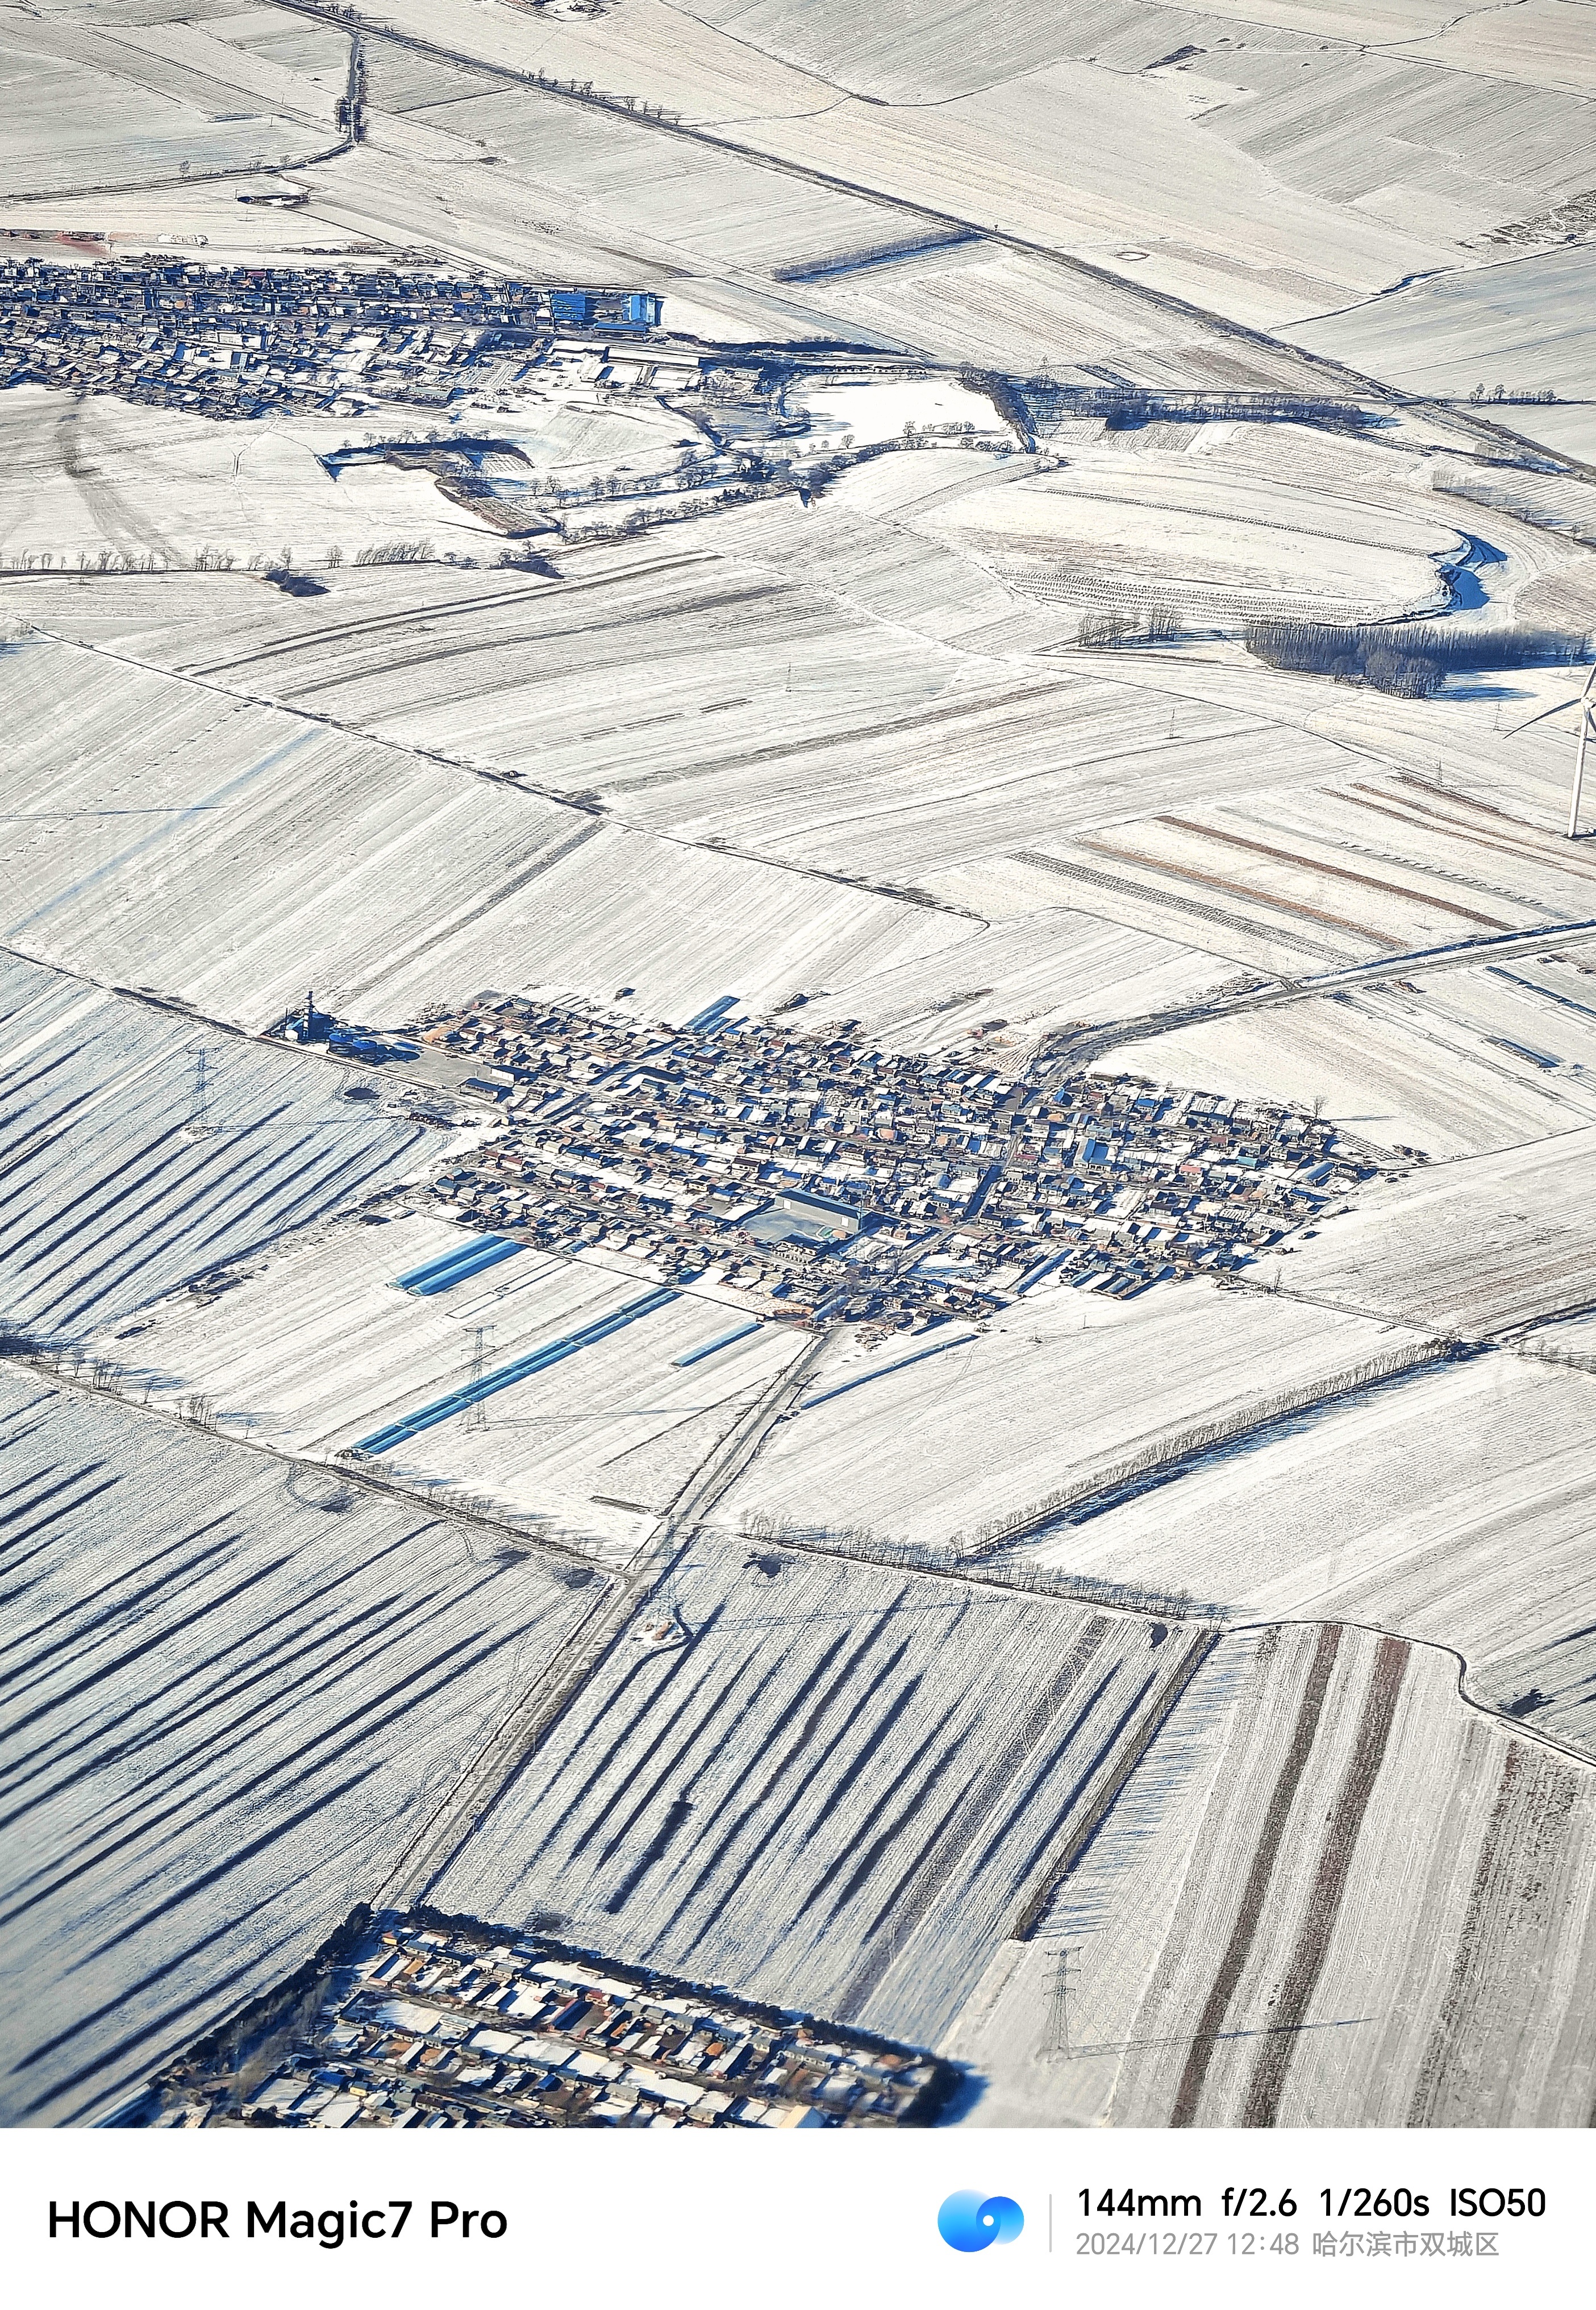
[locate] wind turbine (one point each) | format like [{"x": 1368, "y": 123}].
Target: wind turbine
[{"x": 1587, "y": 724}]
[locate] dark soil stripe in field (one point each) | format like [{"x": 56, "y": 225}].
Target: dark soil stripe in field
[
  {"x": 1324, "y": 1902},
  {"x": 1339, "y": 874},
  {"x": 1217, "y": 2005},
  {"x": 1271, "y": 899},
  {"x": 1535, "y": 1794}
]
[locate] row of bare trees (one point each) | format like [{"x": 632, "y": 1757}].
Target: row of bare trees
[{"x": 109, "y": 562}]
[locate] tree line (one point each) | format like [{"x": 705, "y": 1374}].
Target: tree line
[{"x": 1405, "y": 661}]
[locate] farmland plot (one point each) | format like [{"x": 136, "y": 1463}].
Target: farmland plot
[
  {"x": 86, "y": 473},
  {"x": 1048, "y": 967},
  {"x": 320, "y": 52},
  {"x": 711, "y": 211},
  {"x": 319, "y": 1350},
  {"x": 897, "y": 737},
  {"x": 1392, "y": 1070},
  {"x": 1377, "y": 867},
  {"x": 952, "y": 48},
  {"x": 1426, "y": 1852},
  {"x": 1123, "y": 891},
  {"x": 997, "y": 771},
  {"x": 1390, "y": 493},
  {"x": 925, "y": 1755},
  {"x": 1021, "y": 311},
  {"x": 402, "y": 81},
  {"x": 139, "y": 1149},
  {"x": 1019, "y": 751},
  {"x": 626, "y": 52},
  {"x": 947, "y": 48},
  {"x": 1482, "y": 768},
  {"x": 1061, "y": 1390},
  {"x": 1402, "y": 855},
  {"x": 1565, "y": 601},
  {"x": 276, "y": 852},
  {"x": 233, "y": 1687},
  {"x": 1331, "y": 1895},
  {"x": 602, "y": 683},
  {"x": 1092, "y": 159},
  {"x": 102, "y": 105},
  {"x": 1453, "y": 1504},
  {"x": 1478, "y": 1246},
  {"x": 1562, "y": 503},
  {"x": 1524, "y": 324},
  {"x": 1319, "y": 161},
  {"x": 1532, "y": 46},
  {"x": 1498, "y": 743},
  {"x": 1198, "y": 539}
]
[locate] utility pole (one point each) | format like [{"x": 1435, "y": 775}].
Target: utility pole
[{"x": 1587, "y": 723}]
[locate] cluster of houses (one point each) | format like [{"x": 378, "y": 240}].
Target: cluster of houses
[
  {"x": 832, "y": 1180},
  {"x": 236, "y": 341},
  {"x": 425, "y": 2021}
]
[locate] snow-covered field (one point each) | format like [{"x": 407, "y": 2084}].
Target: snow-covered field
[
  {"x": 110, "y": 102},
  {"x": 319, "y": 1350},
  {"x": 1059, "y": 1387},
  {"x": 1522, "y": 324},
  {"x": 141, "y": 1149},
  {"x": 1452, "y": 1071},
  {"x": 91, "y": 474},
  {"x": 1216, "y": 546},
  {"x": 275, "y": 852},
  {"x": 857, "y": 636},
  {"x": 842, "y": 1789},
  {"x": 1332, "y": 1894},
  {"x": 1483, "y": 1245},
  {"x": 236, "y": 1688},
  {"x": 1452, "y": 1505}
]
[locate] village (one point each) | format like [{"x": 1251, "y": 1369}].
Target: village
[
  {"x": 236, "y": 341},
  {"x": 434, "y": 2022},
  {"x": 849, "y": 1184}
]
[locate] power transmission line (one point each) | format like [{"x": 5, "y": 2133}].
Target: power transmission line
[{"x": 477, "y": 1417}]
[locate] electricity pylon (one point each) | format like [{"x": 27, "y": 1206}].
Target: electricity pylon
[
  {"x": 476, "y": 1416},
  {"x": 199, "y": 1124},
  {"x": 1055, "y": 2042}
]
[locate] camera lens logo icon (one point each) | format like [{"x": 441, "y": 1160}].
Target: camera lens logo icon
[{"x": 969, "y": 2222}]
